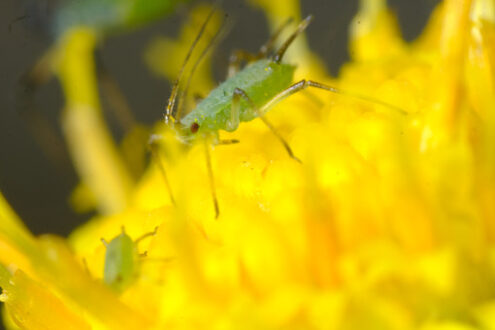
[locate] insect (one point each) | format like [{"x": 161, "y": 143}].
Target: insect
[
  {"x": 122, "y": 260},
  {"x": 247, "y": 94}
]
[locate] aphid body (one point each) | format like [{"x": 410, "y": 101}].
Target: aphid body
[
  {"x": 122, "y": 260},
  {"x": 261, "y": 80},
  {"x": 247, "y": 94}
]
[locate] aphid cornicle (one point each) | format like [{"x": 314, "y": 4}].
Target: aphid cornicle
[
  {"x": 247, "y": 94},
  {"x": 122, "y": 260}
]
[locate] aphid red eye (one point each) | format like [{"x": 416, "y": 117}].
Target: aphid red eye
[{"x": 194, "y": 127}]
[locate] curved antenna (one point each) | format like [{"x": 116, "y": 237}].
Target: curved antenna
[
  {"x": 300, "y": 29},
  {"x": 175, "y": 88},
  {"x": 213, "y": 42}
]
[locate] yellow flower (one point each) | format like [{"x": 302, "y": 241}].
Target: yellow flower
[{"x": 388, "y": 223}]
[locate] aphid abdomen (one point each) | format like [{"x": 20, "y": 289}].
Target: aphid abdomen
[
  {"x": 120, "y": 262},
  {"x": 260, "y": 80}
]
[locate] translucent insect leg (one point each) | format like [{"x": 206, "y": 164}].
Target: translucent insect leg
[
  {"x": 153, "y": 145},
  {"x": 303, "y": 84},
  {"x": 152, "y": 233},
  {"x": 227, "y": 142},
  {"x": 210, "y": 171},
  {"x": 241, "y": 93},
  {"x": 234, "y": 120},
  {"x": 104, "y": 242},
  {"x": 280, "y": 137},
  {"x": 211, "y": 178},
  {"x": 300, "y": 29}
]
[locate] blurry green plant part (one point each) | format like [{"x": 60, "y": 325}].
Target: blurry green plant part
[{"x": 108, "y": 16}]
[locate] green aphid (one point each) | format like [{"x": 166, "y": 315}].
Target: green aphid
[
  {"x": 223, "y": 110},
  {"x": 110, "y": 15},
  {"x": 122, "y": 260},
  {"x": 248, "y": 93}
]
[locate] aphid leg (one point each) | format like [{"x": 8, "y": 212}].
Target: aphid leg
[
  {"x": 143, "y": 255},
  {"x": 234, "y": 119},
  {"x": 140, "y": 238},
  {"x": 300, "y": 29},
  {"x": 211, "y": 178},
  {"x": 235, "y": 103},
  {"x": 303, "y": 84},
  {"x": 226, "y": 142},
  {"x": 280, "y": 137},
  {"x": 104, "y": 242},
  {"x": 153, "y": 145}
]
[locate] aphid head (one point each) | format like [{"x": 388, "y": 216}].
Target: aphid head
[{"x": 194, "y": 127}]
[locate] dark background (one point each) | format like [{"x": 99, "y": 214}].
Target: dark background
[{"x": 36, "y": 185}]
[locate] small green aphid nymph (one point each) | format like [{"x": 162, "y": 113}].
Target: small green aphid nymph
[{"x": 122, "y": 260}]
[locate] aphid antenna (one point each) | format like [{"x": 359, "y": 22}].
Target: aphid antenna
[
  {"x": 175, "y": 87},
  {"x": 215, "y": 40},
  {"x": 300, "y": 29},
  {"x": 145, "y": 235}
]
